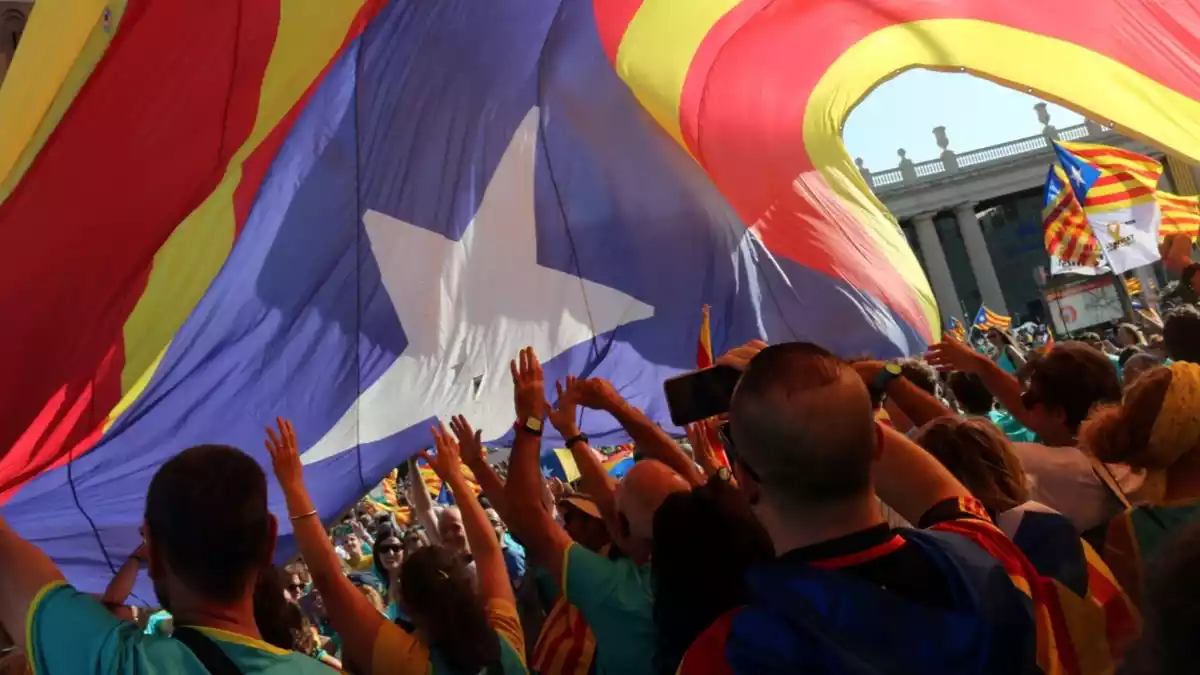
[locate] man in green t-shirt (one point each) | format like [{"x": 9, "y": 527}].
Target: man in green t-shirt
[{"x": 208, "y": 537}]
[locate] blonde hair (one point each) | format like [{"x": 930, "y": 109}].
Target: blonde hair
[{"x": 980, "y": 456}]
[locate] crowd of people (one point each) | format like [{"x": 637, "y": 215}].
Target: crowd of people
[{"x": 1004, "y": 511}]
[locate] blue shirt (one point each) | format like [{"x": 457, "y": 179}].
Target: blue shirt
[
  {"x": 72, "y": 633},
  {"x": 616, "y": 599},
  {"x": 514, "y": 558}
]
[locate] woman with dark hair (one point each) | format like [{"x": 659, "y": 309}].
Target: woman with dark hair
[
  {"x": 705, "y": 541},
  {"x": 1009, "y": 354},
  {"x": 387, "y": 556},
  {"x": 459, "y": 630},
  {"x": 281, "y": 622}
]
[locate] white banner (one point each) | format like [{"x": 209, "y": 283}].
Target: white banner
[
  {"x": 1129, "y": 235},
  {"x": 1059, "y": 266}
]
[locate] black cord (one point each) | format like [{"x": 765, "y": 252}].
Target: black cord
[{"x": 359, "y": 225}]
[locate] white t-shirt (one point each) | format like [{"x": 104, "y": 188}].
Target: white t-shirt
[{"x": 1064, "y": 480}]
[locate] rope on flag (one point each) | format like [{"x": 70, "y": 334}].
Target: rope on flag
[{"x": 1180, "y": 215}]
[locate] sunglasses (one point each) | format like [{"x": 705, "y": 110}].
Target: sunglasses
[
  {"x": 296, "y": 589},
  {"x": 725, "y": 433},
  {"x": 390, "y": 548}
]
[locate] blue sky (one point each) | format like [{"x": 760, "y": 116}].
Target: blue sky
[{"x": 903, "y": 111}]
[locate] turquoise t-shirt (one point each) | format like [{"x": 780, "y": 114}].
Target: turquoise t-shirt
[
  {"x": 71, "y": 633},
  {"x": 157, "y": 623},
  {"x": 616, "y": 599},
  {"x": 1016, "y": 432}
]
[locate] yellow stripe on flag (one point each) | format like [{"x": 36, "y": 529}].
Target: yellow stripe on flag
[
  {"x": 60, "y": 47},
  {"x": 310, "y": 34},
  {"x": 663, "y": 35}
]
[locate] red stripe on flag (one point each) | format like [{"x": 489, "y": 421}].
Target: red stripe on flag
[
  {"x": 146, "y": 140},
  {"x": 1135, "y": 193},
  {"x": 612, "y": 20}
]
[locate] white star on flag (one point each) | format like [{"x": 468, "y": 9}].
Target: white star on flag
[
  {"x": 467, "y": 307},
  {"x": 1077, "y": 176}
]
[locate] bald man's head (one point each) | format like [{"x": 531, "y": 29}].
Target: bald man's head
[
  {"x": 803, "y": 425},
  {"x": 642, "y": 491}
]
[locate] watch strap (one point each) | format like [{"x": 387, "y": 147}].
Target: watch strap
[
  {"x": 577, "y": 438},
  {"x": 878, "y": 388}
]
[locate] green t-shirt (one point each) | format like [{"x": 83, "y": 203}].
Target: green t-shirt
[
  {"x": 1016, "y": 432},
  {"x": 616, "y": 599},
  {"x": 71, "y": 633}
]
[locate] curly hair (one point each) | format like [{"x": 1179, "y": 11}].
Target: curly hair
[
  {"x": 921, "y": 374},
  {"x": 438, "y": 591},
  {"x": 1119, "y": 433},
  {"x": 980, "y": 456}
]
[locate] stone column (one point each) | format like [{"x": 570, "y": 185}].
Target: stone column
[
  {"x": 937, "y": 268},
  {"x": 981, "y": 258}
]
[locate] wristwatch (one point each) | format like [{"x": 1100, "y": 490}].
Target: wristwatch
[
  {"x": 577, "y": 438},
  {"x": 879, "y": 387},
  {"x": 531, "y": 425}
]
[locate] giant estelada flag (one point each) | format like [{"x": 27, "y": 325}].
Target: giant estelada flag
[{"x": 352, "y": 213}]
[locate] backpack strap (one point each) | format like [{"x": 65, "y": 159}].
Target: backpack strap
[{"x": 212, "y": 657}]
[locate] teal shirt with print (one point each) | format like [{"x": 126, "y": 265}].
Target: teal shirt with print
[
  {"x": 616, "y": 600},
  {"x": 71, "y": 633}
]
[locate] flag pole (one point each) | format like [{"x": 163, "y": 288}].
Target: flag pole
[{"x": 974, "y": 323}]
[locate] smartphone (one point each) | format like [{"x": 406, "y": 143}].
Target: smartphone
[{"x": 701, "y": 394}]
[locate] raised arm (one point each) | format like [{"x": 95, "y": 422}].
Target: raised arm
[
  {"x": 350, "y": 612},
  {"x": 421, "y": 502},
  {"x": 543, "y": 538},
  {"x": 910, "y": 480},
  {"x": 917, "y": 404},
  {"x": 471, "y": 450},
  {"x": 950, "y": 354},
  {"x": 595, "y": 480},
  {"x": 122, "y": 584},
  {"x": 489, "y": 561},
  {"x": 651, "y": 441},
  {"x": 26, "y": 570}
]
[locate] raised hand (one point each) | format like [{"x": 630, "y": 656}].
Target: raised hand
[
  {"x": 285, "y": 455},
  {"x": 596, "y": 393},
  {"x": 470, "y": 442},
  {"x": 739, "y": 357},
  {"x": 529, "y": 386},
  {"x": 447, "y": 463},
  {"x": 950, "y": 354},
  {"x": 565, "y": 413}
]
